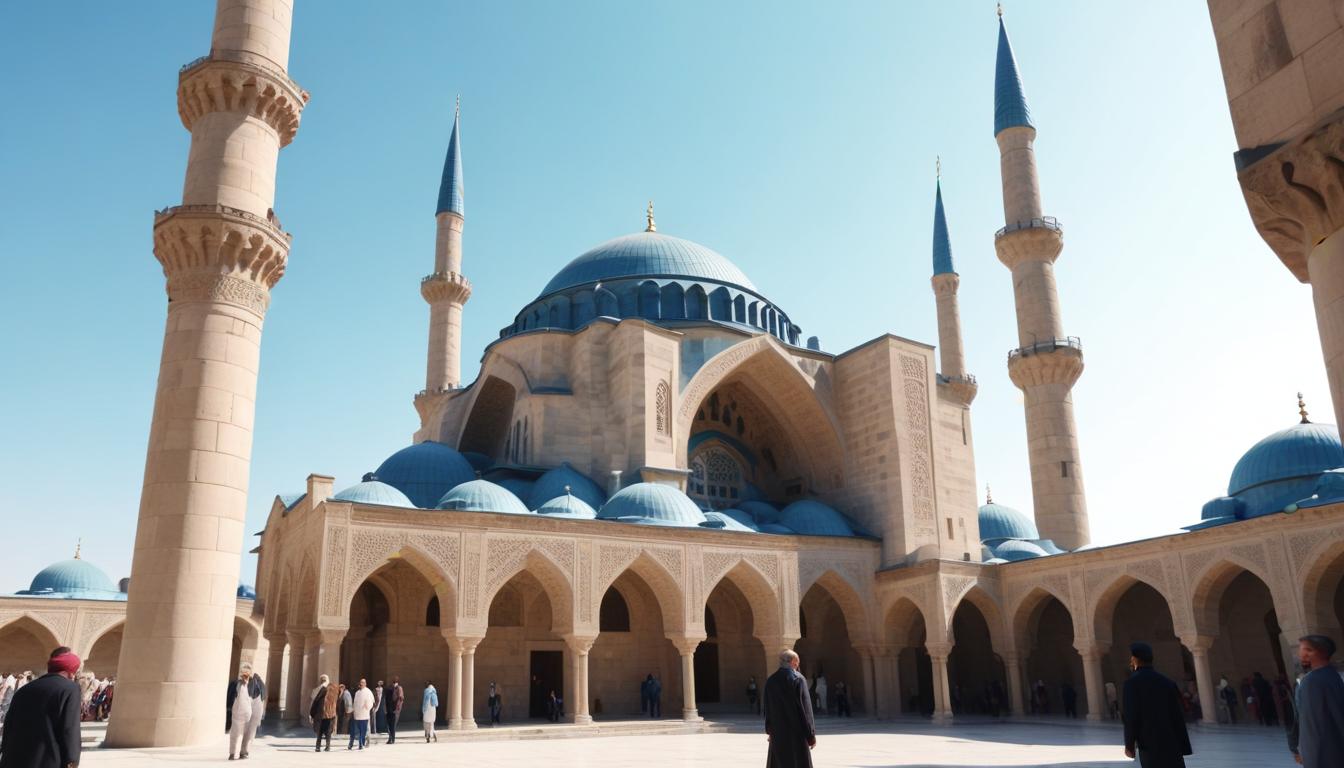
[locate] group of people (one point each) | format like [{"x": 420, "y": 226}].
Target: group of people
[
  {"x": 95, "y": 695},
  {"x": 364, "y": 711},
  {"x": 1262, "y": 701},
  {"x": 42, "y": 716}
]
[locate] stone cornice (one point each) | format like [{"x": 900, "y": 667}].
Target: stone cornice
[
  {"x": 1028, "y": 243},
  {"x": 223, "y": 82},
  {"x": 1062, "y": 365},
  {"x": 217, "y": 253},
  {"x": 445, "y": 286}
]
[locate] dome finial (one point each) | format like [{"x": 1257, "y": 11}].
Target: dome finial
[
  {"x": 457, "y": 107},
  {"x": 1302, "y": 409},
  {"x": 1000, "y": 9},
  {"x": 938, "y": 167},
  {"x": 989, "y": 497},
  {"x": 79, "y": 543},
  {"x": 567, "y": 489},
  {"x": 652, "y": 225}
]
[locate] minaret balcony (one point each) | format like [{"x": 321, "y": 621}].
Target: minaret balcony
[
  {"x": 1046, "y": 346},
  {"x": 1044, "y": 222},
  {"x": 445, "y": 286},
  {"x": 231, "y": 81},
  {"x": 1039, "y": 239},
  {"x": 961, "y": 388},
  {"x": 1048, "y": 361}
]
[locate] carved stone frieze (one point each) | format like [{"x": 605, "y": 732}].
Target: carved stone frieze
[
  {"x": 216, "y": 253},
  {"x": 955, "y": 588},
  {"x": 1062, "y": 365},
  {"x": 93, "y": 626},
  {"x": 219, "y": 84},
  {"x": 915, "y": 388},
  {"x": 710, "y": 374},
  {"x": 333, "y": 568}
]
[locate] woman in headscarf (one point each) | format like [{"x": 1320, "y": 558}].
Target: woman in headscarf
[
  {"x": 429, "y": 711},
  {"x": 323, "y": 710}
]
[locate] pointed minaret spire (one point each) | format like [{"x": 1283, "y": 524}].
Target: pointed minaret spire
[
  {"x": 942, "y": 244},
  {"x": 1010, "y": 103},
  {"x": 651, "y": 225},
  {"x": 451, "y": 197},
  {"x": 951, "y": 356},
  {"x": 446, "y": 289}
]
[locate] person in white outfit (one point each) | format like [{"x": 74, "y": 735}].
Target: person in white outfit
[
  {"x": 429, "y": 711},
  {"x": 246, "y": 703},
  {"x": 820, "y": 687},
  {"x": 360, "y": 709}
]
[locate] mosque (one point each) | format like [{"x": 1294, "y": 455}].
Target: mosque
[{"x": 657, "y": 471}]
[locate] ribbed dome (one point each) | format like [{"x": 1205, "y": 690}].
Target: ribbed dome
[
  {"x": 725, "y": 522},
  {"x": 518, "y": 486},
  {"x": 761, "y": 511},
  {"x": 372, "y": 491},
  {"x": 1014, "y": 550},
  {"x": 425, "y": 472},
  {"x": 1002, "y": 522},
  {"x": 812, "y": 518},
  {"x": 71, "y": 576},
  {"x": 648, "y": 254},
  {"x": 482, "y": 496},
  {"x": 552, "y": 485},
  {"x": 568, "y": 505},
  {"x": 1299, "y": 451},
  {"x": 652, "y": 504}
]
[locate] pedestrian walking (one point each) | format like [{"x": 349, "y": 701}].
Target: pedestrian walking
[
  {"x": 644, "y": 687},
  {"x": 429, "y": 711},
  {"x": 322, "y": 712},
  {"x": 1317, "y": 735},
  {"x": 393, "y": 698},
  {"x": 495, "y": 703},
  {"x": 41, "y": 726},
  {"x": 1154, "y": 721},
  {"x": 655, "y": 697},
  {"x": 753, "y": 696},
  {"x": 359, "y": 716},
  {"x": 789, "y": 725},
  {"x": 822, "y": 690},
  {"x": 1227, "y": 701},
  {"x": 245, "y": 705}
]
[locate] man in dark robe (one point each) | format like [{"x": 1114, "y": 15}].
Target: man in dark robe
[
  {"x": 42, "y": 724},
  {"x": 788, "y": 716},
  {"x": 1317, "y": 735},
  {"x": 1154, "y": 717}
]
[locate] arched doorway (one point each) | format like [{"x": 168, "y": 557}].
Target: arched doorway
[
  {"x": 907, "y": 630},
  {"x": 1133, "y": 611},
  {"x": 737, "y": 614},
  {"x": 1248, "y": 648},
  {"x": 825, "y": 647},
  {"x": 522, "y": 652},
  {"x": 25, "y": 646},
  {"x": 104, "y": 654},
  {"x": 975, "y": 673},
  {"x": 1052, "y": 662},
  {"x": 631, "y": 645}
]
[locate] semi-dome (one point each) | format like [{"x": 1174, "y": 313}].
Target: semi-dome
[
  {"x": 1014, "y": 550},
  {"x": 519, "y": 486},
  {"x": 70, "y": 577},
  {"x": 482, "y": 496},
  {"x": 373, "y": 491},
  {"x": 569, "y": 506},
  {"x": 652, "y": 504},
  {"x": 723, "y": 522},
  {"x": 425, "y": 472},
  {"x": 812, "y": 518},
  {"x": 647, "y": 254},
  {"x": 1302, "y": 450},
  {"x": 998, "y": 522},
  {"x": 561, "y": 480}
]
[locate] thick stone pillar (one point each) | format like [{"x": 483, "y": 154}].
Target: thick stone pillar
[
  {"x": 469, "y": 681},
  {"x": 1012, "y": 667},
  {"x": 221, "y": 251},
  {"x": 296, "y": 708},
  {"x": 942, "y": 700},
  {"x": 312, "y": 643},
  {"x": 1096, "y": 694},
  {"x": 1325, "y": 264},
  {"x": 872, "y": 706},
  {"x": 686, "y": 647},
  {"x": 329, "y": 655},
  {"x": 579, "y": 646},
  {"x": 454, "y": 684},
  {"x": 1199, "y": 646},
  {"x": 275, "y": 665}
]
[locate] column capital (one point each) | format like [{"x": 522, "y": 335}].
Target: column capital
[
  {"x": 773, "y": 644},
  {"x": 580, "y": 644},
  {"x": 938, "y": 651},
  {"x": 686, "y": 645},
  {"x": 1198, "y": 643},
  {"x": 1090, "y": 649},
  {"x": 461, "y": 644}
]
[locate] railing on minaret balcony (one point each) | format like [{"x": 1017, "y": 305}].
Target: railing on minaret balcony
[
  {"x": 1048, "y": 345},
  {"x": 963, "y": 379},
  {"x": 1044, "y": 222},
  {"x": 246, "y": 58},
  {"x": 270, "y": 221}
]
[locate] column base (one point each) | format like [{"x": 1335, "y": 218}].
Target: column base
[
  {"x": 691, "y": 716},
  {"x": 468, "y": 724},
  {"x": 1093, "y": 717},
  {"x": 455, "y": 725},
  {"x": 942, "y": 718},
  {"x": 583, "y": 720}
]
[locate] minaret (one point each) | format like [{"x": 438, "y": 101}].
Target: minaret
[
  {"x": 222, "y": 251},
  {"x": 446, "y": 289},
  {"x": 1046, "y": 363},
  {"x": 945, "y": 283}
]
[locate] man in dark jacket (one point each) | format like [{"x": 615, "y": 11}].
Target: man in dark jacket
[
  {"x": 1154, "y": 718},
  {"x": 393, "y": 697},
  {"x": 788, "y": 716},
  {"x": 42, "y": 724},
  {"x": 1317, "y": 735}
]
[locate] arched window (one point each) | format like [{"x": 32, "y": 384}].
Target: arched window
[
  {"x": 614, "y": 616},
  {"x": 432, "y": 612},
  {"x": 662, "y": 408},
  {"x": 716, "y": 477}
]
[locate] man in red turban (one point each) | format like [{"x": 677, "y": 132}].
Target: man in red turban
[{"x": 42, "y": 725}]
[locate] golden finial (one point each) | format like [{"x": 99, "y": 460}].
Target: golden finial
[
  {"x": 652, "y": 226},
  {"x": 1302, "y": 409},
  {"x": 1000, "y": 9},
  {"x": 79, "y": 543},
  {"x": 989, "y": 497}
]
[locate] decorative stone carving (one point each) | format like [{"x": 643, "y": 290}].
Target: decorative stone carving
[
  {"x": 369, "y": 549},
  {"x": 234, "y": 82},
  {"x": 443, "y": 548},
  {"x": 955, "y": 588},
  {"x": 1296, "y": 193},
  {"x": 662, "y": 408},
  {"x": 767, "y": 564},
  {"x": 915, "y": 387},
  {"x": 584, "y": 575},
  {"x": 445, "y": 286},
  {"x": 333, "y": 568},
  {"x": 1062, "y": 365},
  {"x": 218, "y": 253},
  {"x": 710, "y": 374},
  {"x": 93, "y": 627},
  {"x": 612, "y": 560},
  {"x": 471, "y": 577}
]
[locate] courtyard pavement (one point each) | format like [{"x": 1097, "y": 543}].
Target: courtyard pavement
[{"x": 736, "y": 742}]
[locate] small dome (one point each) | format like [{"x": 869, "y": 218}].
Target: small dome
[
  {"x": 482, "y": 496},
  {"x": 994, "y": 561},
  {"x": 478, "y": 461},
  {"x": 553, "y": 483},
  {"x": 647, "y": 254},
  {"x": 1223, "y": 507},
  {"x": 568, "y": 505},
  {"x": 518, "y": 486},
  {"x": 812, "y": 518},
  {"x": 776, "y": 528},
  {"x": 740, "y": 516},
  {"x": 1302, "y": 450},
  {"x": 998, "y": 522},
  {"x": 247, "y": 592},
  {"x": 425, "y": 472},
  {"x": 761, "y": 511},
  {"x": 725, "y": 522},
  {"x": 70, "y": 577},
  {"x": 1014, "y": 550},
  {"x": 372, "y": 491},
  {"x": 652, "y": 504}
]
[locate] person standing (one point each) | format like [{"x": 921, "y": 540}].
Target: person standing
[
  {"x": 753, "y": 696},
  {"x": 788, "y": 716},
  {"x": 1228, "y": 696},
  {"x": 322, "y": 711},
  {"x": 822, "y": 690},
  {"x": 1069, "y": 695},
  {"x": 1154, "y": 722},
  {"x": 245, "y": 704},
  {"x": 495, "y": 703},
  {"x": 842, "y": 700},
  {"x": 1112, "y": 701},
  {"x": 1317, "y": 735},
  {"x": 359, "y": 716},
  {"x": 379, "y": 721},
  {"x": 393, "y": 698},
  {"x": 655, "y": 697},
  {"x": 41, "y": 727},
  {"x": 1264, "y": 695},
  {"x": 429, "y": 711},
  {"x": 644, "y": 689},
  {"x": 347, "y": 707}
]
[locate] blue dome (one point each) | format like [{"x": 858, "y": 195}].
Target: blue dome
[
  {"x": 812, "y": 518},
  {"x": 70, "y": 577},
  {"x": 1302, "y": 450},
  {"x": 648, "y": 254},
  {"x": 372, "y": 491},
  {"x": 776, "y": 528},
  {"x": 552, "y": 485},
  {"x": 725, "y": 522},
  {"x": 568, "y": 505},
  {"x": 518, "y": 486},
  {"x": 740, "y": 516},
  {"x": 761, "y": 511},
  {"x": 999, "y": 522},
  {"x": 478, "y": 461},
  {"x": 425, "y": 472},
  {"x": 482, "y": 496},
  {"x": 652, "y": 504},
  {"x": 1014, "y": 550},
  {"x": 247, "y": 592}
]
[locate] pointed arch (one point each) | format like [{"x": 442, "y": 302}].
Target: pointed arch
[
  {"x": 26, "y": 642},
  {"x": 443, "y": 583},
  {"x": 1023, "y": 614},
  {"x": 303, "y": 613},
  {"x": 665, "y": 586},
  {"x": 991, "y": 611},
  {"x": 761, "y": 595},
  {"x": 35, "y": 626},
  {"x": 901, "y": 621},
  {"x": 1322, "y": 579},
  {"x": 553, "y": 579},
  {"x": 1211, "y": 583},
  {"x": 1103, "y": 609},
  {"x": 857, "y": 621}
]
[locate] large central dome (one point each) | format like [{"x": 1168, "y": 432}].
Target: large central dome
[{"x": 648, "y": 254}]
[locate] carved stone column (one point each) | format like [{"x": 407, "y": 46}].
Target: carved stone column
[
  {"x": 468, "y": 645},
  {"x": 275, "y": 665},
  {"x": 1096, "y": 697},
  {"x": 329, "y": 653},
  {"x": 579, "y": 645},
  {"x": 1012, "y": 667},
  {"x": 942, "y": 701},
  {"x": 1199, "y": 646},
  {"x": 871, "y": 705},
  {"x": 295, "y": 706},
  {"x": 454, "y": 683},
  {"x": 686, "y": 647}
]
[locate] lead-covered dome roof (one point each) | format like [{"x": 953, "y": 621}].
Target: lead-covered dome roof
[
  {"x": 482, "y": 496},
  {"x": 72, "y": 578},
  {"x": 652, "y": 504},
  {"x": 372, "y": 491},
  {"x": 998, "y": 522},
  {"x": 1301, "y": 450},
  {"x": 648, "y": 254},
  {"x": 425, "y": 472}
]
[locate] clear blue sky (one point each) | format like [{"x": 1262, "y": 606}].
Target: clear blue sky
[{"x": 796, "y": 138}]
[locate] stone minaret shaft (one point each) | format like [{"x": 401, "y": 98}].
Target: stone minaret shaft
[
  {"x": 952, "y": 358},
  {"x": 222, "y": 251},
  {"x": 1045, "y": 364},
  {"x": 446, "y": 289}
]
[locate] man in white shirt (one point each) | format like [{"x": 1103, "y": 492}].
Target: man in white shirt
[
  {"x": 246, "y": 704},
  {"x": 361, "y": 708}
]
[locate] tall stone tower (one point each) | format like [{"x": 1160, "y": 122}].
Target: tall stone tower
[
  {"x": 1046, "y": 363},
  {"x": 222, "y": 251},
  {"x": 952, "y": 358},
  {"x": 446, "y": 289}
]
